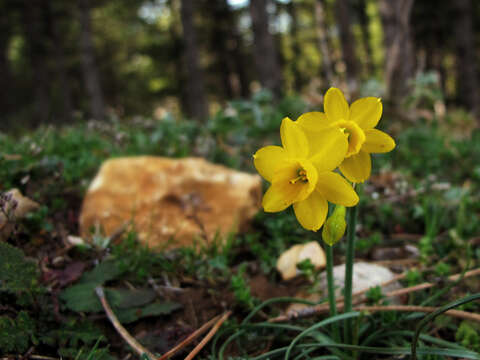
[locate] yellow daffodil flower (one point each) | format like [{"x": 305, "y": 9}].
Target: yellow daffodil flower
[
  {"x": 303, "y": 176},
  {"x": 357, "y": 122}
]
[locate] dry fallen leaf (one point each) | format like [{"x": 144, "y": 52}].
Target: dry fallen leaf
[
  {"x": 15, "y": 208},
  {"x": 12, "y": 156},
  {"x": 75, "y": 240}
]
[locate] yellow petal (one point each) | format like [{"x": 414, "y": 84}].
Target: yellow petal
[
  {"x": 336, "y": 189},
  {"x": 274, "y": 200},
  {"x": 327, "y": 148},
  {"x": 286, "y": 180},
  {"x": 366, "y": 112},
  {"x": 357, "y": 168},
  {"x": 335, "y": 105},
  {"x": 313, "y": 121},
  {"x": 268, "y": 159},
  {"x": 311, "y": 212},
  {"x": 356, "y": 136},
  {"x": 293, "y": 139},
  {"x": 377, "y": 142}
]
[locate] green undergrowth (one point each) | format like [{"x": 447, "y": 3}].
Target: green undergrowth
[{"x": 425, "y": 194}]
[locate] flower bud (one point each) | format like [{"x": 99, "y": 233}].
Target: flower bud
[{"x": 335, "y": 226}]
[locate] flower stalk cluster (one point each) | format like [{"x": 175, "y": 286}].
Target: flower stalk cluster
[{"x": 323, "y": 155}]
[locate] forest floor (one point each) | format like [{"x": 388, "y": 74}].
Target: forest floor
[{"x": 424, "y": 195}]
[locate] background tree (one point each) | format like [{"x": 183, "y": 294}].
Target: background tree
[
  {"x": 360, "y": 7},
  {"x": 144, "y": 57},
  {"x": 265, "y": 55},
  {"x": 6, "y": 30},
  {"x": 221, "y": 44},
  {"x": 467, "y": 74},
  {"x": 89, "y": 66},
  {"x": 321, "y": 32},
  {"x": 196, "y": 100},
  {"x": 298, "y": 80},
  {"x": 227, "y": 47},
  {"x": 54, "y": 11},
  {"x": 35, "y": 34},
  {"x": 347, "y": 43},
  {"x": 399, "y": 51},
  {"x": 431, "y": 25}
]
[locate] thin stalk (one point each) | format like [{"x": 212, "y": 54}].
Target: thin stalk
[
  {"x": 331, "y": 291},
  {"x": 350, "y": 256}
]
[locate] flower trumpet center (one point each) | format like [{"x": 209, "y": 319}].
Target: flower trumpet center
[
  {"x": 355, "y": 135},
  {"x": 302, "y": 177},
  {"x": 296, "y": 180}
]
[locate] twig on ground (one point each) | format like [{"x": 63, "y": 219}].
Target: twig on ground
[
  {"x": 207, "y": 337},
  {"x": 425, "y": 309},
  {"x": 139, "y": 348},
  {"x": 318, "y": 309},
  {"x": 412, "y": 308},
  {"x": 429, "y": 285},
  {"x": 162, "y": 289},
  {"x": 27, "y": 354},
  {"x": 396, "y": 262},
  {"x": 190, "y": 338}
]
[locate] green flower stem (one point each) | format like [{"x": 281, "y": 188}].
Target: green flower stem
[
  {"x": 331, "y": 291},
  {"x": 350, "y": 255}
]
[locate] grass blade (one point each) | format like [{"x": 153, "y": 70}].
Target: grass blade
[
  {"x": 433, "y": 315},
  {"x": 330, "y": 320}
]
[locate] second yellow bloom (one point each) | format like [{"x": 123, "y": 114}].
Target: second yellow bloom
[{"x": 357, "y": 122}]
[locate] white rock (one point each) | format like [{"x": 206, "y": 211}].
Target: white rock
[
  {"x": 365, "y": 276},
  {"x": 287, "y": 262}
]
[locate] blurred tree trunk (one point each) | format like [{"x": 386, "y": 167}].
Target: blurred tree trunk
[
  {"x": 399, "y": 51},
  {"x": 89, "y": 66},
  {"x": 467, "y": 75},
  {"x": 37, "y": 53},
  {"x": 222, "y": 36},
  {"x": 196, "y": 100},
  {"x": 241, "y": 62},
  {"x": 321, "y": 30},
  {"x": 175, "y": 51},
  {"x": 347, "y": 43},
  {"x": 5, "y": 73},
  {"x": 432, "y": 28},
  {"x": 57, "y": 49},
  {"x": 228, "y": 45},
  {"x": 364, "y": 22},
  {"x": 297, "y": 51},
  {"x": 265, "y": 55}
]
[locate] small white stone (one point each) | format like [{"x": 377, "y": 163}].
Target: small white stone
[
  {"x": 287, "y": 262},
  {"x": 365, "y": 276}
]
